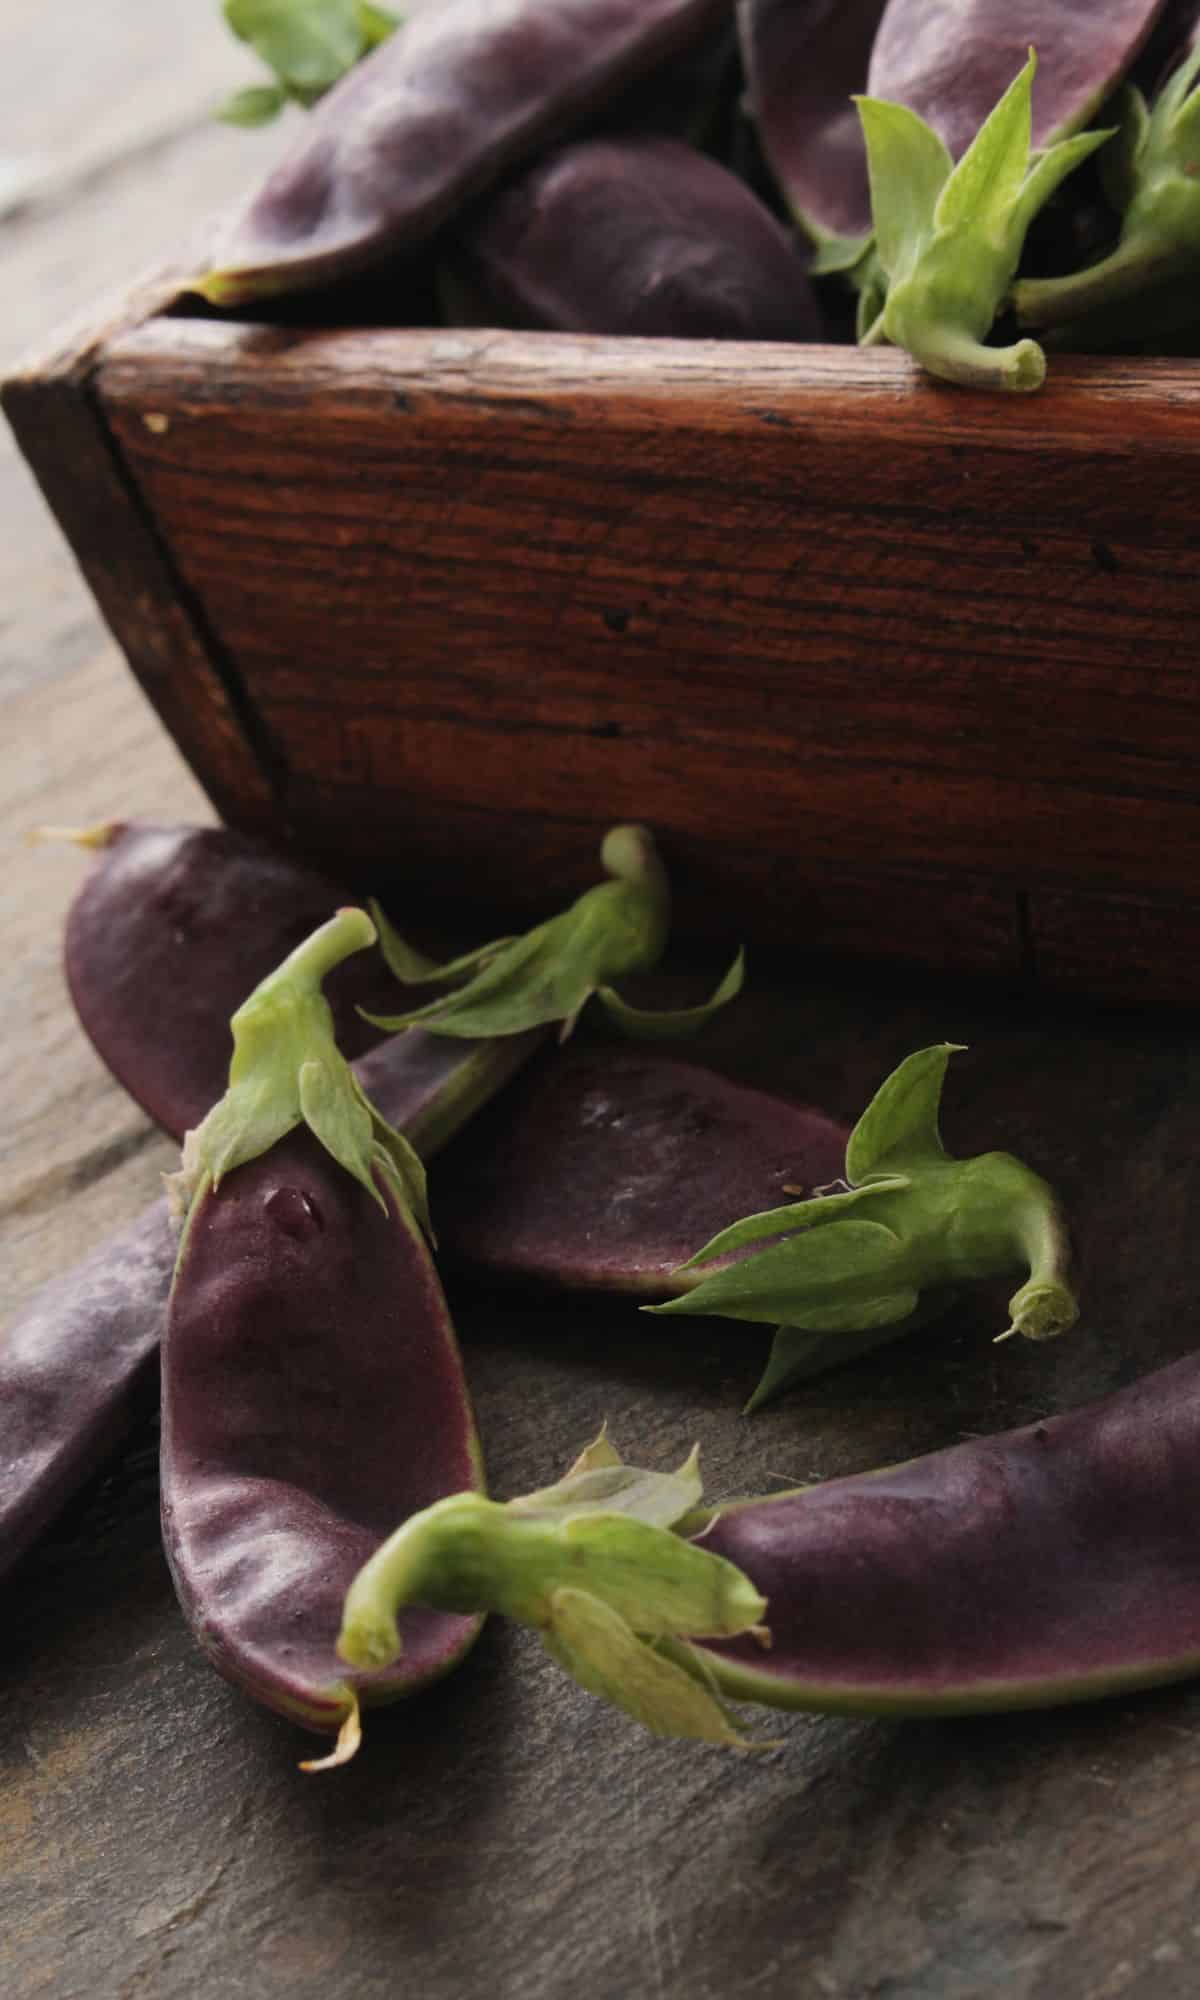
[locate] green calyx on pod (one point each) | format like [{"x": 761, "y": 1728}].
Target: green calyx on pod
[
  {"x": 551, "y": 972},
  {"x": 306, "y": 44},
  {"x": 844, "y": 1271},
  {"x": 949, "y": 238},
  {"x": 1151, "y": 178},
  {"x": 592, "y": 1564},
  {"x": 287, "y": 1070}
]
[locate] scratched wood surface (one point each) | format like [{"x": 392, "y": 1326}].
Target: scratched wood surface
[{"x": 504, "y": 1835}]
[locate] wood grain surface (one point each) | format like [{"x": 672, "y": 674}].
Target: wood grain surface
[
  {"x": 917, "y": 663},
  {"x": 503, "y": 1835}
]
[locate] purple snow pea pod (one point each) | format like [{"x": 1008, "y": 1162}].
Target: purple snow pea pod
[
  {"x": 951, "y": 60},
  {"x": 77, "y": 1360},
  {"x": 804, "y": 59},
  {"x": 1051, "y": 1564},
  {"x": 460, "y": 93},
  {"x": 1043, "y": 1566},
  {"x": 633, "y": 235},
  {"x": 312, "y": 1388},
  {"x": 199, "y": 914},
  {"x": 598, "y": 1172}
]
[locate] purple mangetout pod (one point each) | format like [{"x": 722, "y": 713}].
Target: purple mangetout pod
[
  {"x": 1050, "y": 1564},
  {"x": 312, "y": 1396},
  {"x": 952, "y": 60},
  {"x": 633, "y": 235},
  {"x": 75, "y": 1359},
  {"x": 804, "y": 59},
  {"x": 461, "y": 92},
  {"x": 171, "y": 929},
  {"x": 607, "y": 1167}
]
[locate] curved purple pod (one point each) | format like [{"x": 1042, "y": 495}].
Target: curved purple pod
[
  {"x": 633, "y": 235},
  {"x": 1051, "y": 1564},
  {"x": 804, "y": 59},
  {"x": 75, "y": 1358},
  {"x": 171, "y": 929},
  {"x": 952, "y": 60},
  {"x": 607, "y": 1167},
  {"x": 460, "y": 93},
  {"x": 312, "y": 1397}
]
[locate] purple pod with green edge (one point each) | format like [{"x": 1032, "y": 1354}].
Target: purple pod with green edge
[
  {"x": 77, "y": 1360},
  {"x": 632, "y": 235},
  {"x": 1052, "y": 1564},
  {"x": 804, "y": 60},
  {"x": 952, "y": 60},
  {"x": 458, "y": 95},
  {"x": 312, "y": 1397},
  {"x": 606, "y": 1167},
  {"x": 171, "y": 929}
]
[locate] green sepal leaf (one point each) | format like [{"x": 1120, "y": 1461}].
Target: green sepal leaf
[
  {"x": 287, "y": 1070},
  {"x": 985, "y": 184},
  {"x": 820, "y": 1278},
  {"x": 899, "y": 1128},
  {"x": 908, "y": 166},
  {"x": 791, "y": 1217},
  {"x": 667, "y": 1023},
  {"x": 835, "y": 256},
  {"x": 375, "y": 23},
  {"x": 412, "y": 968},
  {"x": 308, "y": 44},
  {"x": 256, "y": 105},
  {"x": 550, "y": 973},
  {"x": 593, "y": 1644},
  {"x": 601, "y": 1483},
  {"x": 1120, "y": 162},
  {"x": 794, "y": 1350}
]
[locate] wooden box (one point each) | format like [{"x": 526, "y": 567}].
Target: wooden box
[{"x": 895, "y": 671}]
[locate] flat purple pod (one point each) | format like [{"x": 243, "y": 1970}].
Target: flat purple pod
[
  {"x": 312, "y": 1397},
  {"x": 952, "y": 60},
  {"x": 75, "y": 1359},
  {"x": 609, "y": 1167},
  {"x": 170, "y": 931},
  {"x": 461, "y": 92},
  {"x": 73, "y": 1366},
  {"x": 634, "y": 235},
  {"x": 1051, "y": 1564},
  {"x": 804, "y": 59}
]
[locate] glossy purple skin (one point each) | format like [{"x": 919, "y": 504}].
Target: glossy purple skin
[
  {"x": 952, "y": 60},
  {"x": 1051, "y": 1564},
  {"x": 313, "y": 1398},
  {"x": 464, "y": 90},
  {"x": 170, "y": 931},
  {"x": 803, "y": 60},
  {"x": 606, "y": 1168},
  {"x": 75, "y": 1359},
  {"x": 634, "y": 235},
  {"x": 72, "y": 1369}
]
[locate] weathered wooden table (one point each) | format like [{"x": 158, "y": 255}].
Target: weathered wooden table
[{"x": 503, "y": 1834}]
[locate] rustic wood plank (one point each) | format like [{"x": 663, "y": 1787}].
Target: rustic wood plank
[
  {"x": 50, "y": 406},
  {"x": 904, "y": 654}
]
